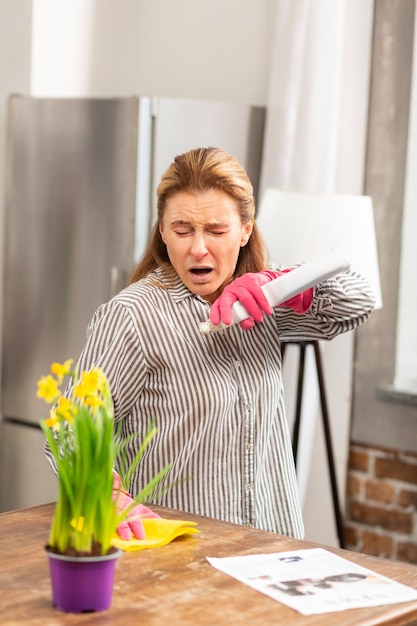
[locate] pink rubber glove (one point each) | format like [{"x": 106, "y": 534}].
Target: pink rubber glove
[
  {"x": 132, "y": 525},
  {"x": 302, "y": 301},
  {"x": 247, "y": 290}
]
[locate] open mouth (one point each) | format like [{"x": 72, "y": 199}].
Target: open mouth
[
  {"x": 201, "y": 274},
  {"x": 201, "y": 271}
]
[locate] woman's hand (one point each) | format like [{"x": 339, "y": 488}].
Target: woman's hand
[
  {"x": 132, "y": 524},
  {"x": 248, "y": 291}
]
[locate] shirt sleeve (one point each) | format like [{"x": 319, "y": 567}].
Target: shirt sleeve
[
  {"x": 113, "y": 344},
  {"x": 339, "y": 304}
]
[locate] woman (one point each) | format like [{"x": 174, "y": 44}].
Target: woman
[{"x": 217, "y": 398}]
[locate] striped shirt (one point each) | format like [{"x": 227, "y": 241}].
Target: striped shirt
[{"x": 217, "y": 399}]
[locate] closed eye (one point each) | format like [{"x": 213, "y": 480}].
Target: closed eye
[
  {"x": 217, "y": 230},
  {"x": 183, "y": 231}
]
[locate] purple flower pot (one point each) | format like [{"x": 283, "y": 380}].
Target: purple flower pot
[{"x": 82, "y": 584}]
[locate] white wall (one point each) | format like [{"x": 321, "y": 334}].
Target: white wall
[{"x": 214, "y": 50}]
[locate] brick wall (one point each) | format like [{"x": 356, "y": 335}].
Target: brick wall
[{"x": 381, "y": 503}]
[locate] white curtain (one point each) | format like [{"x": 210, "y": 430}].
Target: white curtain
[
  {"x": 315, "y": 142},
  {"x": 304, "y": 95}
]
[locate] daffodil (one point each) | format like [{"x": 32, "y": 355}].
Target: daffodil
[
  {"x": 90, "y": 384},
  {"x": 94, "y": 401},
  {"x": 62, "y": 369},
  {"x": 66, "y": 409},
  {"x": 80, "y": 433},
  {"x": 48, "y": 389},
  {"x": 53, "y": 420}
]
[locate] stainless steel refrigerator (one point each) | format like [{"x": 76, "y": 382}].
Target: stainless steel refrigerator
[{"x": 81, "y": 176}]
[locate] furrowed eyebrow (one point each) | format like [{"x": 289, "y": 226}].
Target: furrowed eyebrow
[
  {"x": 216, "y": 225},
  {"x": 208, "y": 225},
  {"x": 179, "y": 223}
]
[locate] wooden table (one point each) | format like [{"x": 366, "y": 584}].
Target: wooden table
[{"x": 173, "y": 585}]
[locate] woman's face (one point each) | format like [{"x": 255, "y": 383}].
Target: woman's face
[{"x": 203, "y": 235}]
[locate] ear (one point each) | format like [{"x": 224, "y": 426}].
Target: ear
[{"x": 246, "y": 233}]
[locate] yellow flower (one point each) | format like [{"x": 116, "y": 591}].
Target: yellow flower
[
  {"x": 90, "y": 386},
  {"x": 52, "y": 421},
  {"x": 65, "y": 409},
  {"x": 48, "y": 389},
  {"x": 61, "y": 369},
  {"x": 94, "y": 401}
]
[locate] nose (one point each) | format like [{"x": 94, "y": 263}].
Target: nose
[{"x": 198, "y": 247}]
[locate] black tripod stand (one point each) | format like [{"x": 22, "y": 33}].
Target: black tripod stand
[{"x": 326, "y": 424}]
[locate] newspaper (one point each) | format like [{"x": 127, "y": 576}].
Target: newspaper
[{"x": 314, "y": 580}]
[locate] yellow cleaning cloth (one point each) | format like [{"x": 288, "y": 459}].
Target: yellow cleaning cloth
[{"x": 158, "y": 532}]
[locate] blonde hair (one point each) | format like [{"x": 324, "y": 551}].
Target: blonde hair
[{"x": 200, "y": 170}]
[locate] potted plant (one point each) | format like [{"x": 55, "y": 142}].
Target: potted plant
[{"x": 85, "y": 445}]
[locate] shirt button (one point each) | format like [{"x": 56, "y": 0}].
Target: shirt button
[
  {"x": 249, "y": 487},
  {"x": 238, "y": 363},
  {"x": 249, "y": 446}
]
